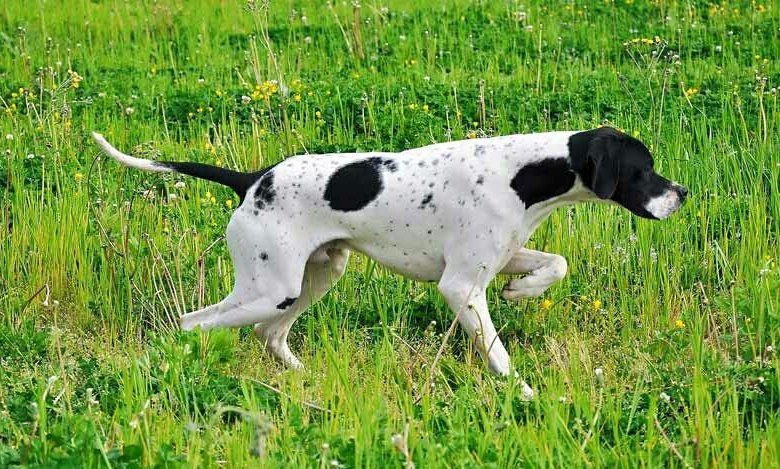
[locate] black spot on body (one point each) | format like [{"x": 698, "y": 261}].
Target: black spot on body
[
  {"x": 355, "y": 185},
  {"x": 264, "y": 256},
  {"x": 481, "y": 179},
  {"x": 543, "y": 180},
  {"x": 387, "y": 163},
  {"x": 265, "y": 192},
  {"x": 426, "y": 200},
  {"x": 286, "y": 303}
]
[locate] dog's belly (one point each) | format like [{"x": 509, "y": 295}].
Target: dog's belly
[{"x": 406, "y": 259}]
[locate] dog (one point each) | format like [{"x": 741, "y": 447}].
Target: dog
[{"x": 457, "y": 213}]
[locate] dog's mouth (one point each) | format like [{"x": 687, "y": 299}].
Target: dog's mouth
[{"x": 666, "y": 204}]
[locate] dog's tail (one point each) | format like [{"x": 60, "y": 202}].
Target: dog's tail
[{"x": 236, "y": 180}]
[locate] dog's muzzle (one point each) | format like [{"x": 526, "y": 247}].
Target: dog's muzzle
[{"x": 668, "y": 202}]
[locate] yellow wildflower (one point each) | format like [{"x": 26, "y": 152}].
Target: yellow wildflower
[
  {"x": 425, "y": 108},
  {"x": 679, "y": 324},
  {"x": 547, "y": 304},
  {"x": 78, "y": 177},
  {"x": 596, "y": 304},
  {"x": 229, "y": 203},
  {"x": 75, "y": 79},
  {"x": 297, "y": 98}
]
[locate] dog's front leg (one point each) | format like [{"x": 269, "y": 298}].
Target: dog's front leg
[
  {"x": 544, "y": 269},
  {"x": 465, "y": 296}
]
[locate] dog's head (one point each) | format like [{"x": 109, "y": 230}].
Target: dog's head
[{"x": 619, "y": 168}]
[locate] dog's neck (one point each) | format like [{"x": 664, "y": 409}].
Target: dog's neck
[{"x": 550, "y": 157}]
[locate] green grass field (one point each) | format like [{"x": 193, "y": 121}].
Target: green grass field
[{"x": 658, "y": 349}]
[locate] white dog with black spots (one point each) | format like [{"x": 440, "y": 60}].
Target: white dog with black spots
[{"x": 457, "y": 213}]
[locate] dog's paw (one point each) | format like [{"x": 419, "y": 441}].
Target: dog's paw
[{"x": 519, "y": 289}]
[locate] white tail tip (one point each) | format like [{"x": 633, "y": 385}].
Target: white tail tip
[{"x": 127, "y": 160}]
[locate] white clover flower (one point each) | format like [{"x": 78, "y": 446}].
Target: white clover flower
[
  {"x": 91, "y": 399},
  {"x": 9, "y": 137},
  {"x": 527, "y": 393},
  {"x": 30, "y": 156},
  {"x": 129, "y": 110},
  {"x": 398, "y": 442},
  {"x": 665, "y": 397},
  {"x": 245, "y": 99},
  {"x": 191, "y": 427},
  {"x": 180, "y": 185}
]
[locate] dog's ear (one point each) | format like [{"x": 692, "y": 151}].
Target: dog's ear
[{"x": 604, "y": 158}]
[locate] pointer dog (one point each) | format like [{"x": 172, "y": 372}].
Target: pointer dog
[{"x": 457, "y": 213}]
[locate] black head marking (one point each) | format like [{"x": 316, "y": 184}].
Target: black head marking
[
  {"x": 618, "y": 167},
  {"x": 543, "y": 180}
]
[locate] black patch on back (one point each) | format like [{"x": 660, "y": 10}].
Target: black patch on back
[
  {"x": 357, "y": 184},
  {"x": 265, "y": 192},
  {"x": 286, "y": 303},
  {"x": 543, "y": 180}
]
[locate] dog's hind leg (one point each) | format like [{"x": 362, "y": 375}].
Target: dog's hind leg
[
  {"x": 323, "y": 269},
  {"x": 268, "y": 281}
]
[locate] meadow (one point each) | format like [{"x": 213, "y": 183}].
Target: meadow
[{"x": 658, "y": 349}]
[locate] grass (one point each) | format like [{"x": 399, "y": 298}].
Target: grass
[{"x": 680, "y": 318}]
